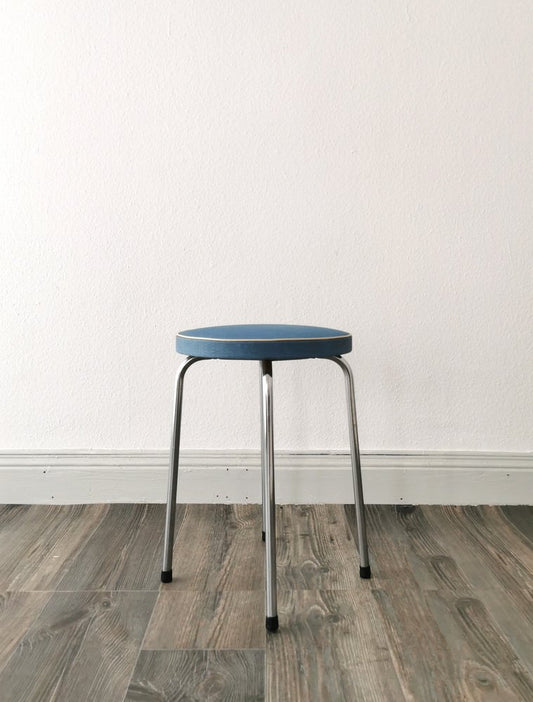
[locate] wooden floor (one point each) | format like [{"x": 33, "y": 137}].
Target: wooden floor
[{"x": 447, "y": 616}]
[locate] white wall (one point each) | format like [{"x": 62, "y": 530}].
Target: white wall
[{"x": 363, "y": 165}]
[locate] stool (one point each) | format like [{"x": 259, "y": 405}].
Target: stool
[{"x": 265, "y": 343}]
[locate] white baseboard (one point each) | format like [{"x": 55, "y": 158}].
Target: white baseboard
[{"x": 234, "y": 476}]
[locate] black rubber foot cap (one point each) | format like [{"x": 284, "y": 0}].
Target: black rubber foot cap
[
  {"x": 166, "y": 576},
  {"x": 263, "y": 535},
  {"x": 364, "y": 572},
  {"x": 272, "y": 623}
]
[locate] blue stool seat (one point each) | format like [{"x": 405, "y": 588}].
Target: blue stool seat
[{"x": 273, "y": 342}]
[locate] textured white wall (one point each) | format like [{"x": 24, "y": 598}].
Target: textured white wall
[{"x": 363, "y": 165}]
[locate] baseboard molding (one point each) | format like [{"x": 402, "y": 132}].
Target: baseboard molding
[{"x": 234, "y": 476}]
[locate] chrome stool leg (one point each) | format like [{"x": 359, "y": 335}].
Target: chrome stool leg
[
  {"x": 166, "y": 573},
  {"x": 263, "y": 467},
  {"x": 364, "y": 568},
  {"x": 269, "y": 497}
]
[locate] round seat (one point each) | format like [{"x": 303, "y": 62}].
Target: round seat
[{"x": 268, "y": 342}]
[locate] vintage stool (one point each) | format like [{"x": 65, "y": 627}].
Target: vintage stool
[{"x": 265, "y": 343}]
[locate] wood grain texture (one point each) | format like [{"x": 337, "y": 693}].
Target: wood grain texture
[
  {"x": 486, "y": 546},
  {"x": 521, "y": 518},
  {"x": 394, "y": 556},
  {"x": 448, "y": 614},
  {"x": 489, "y": 668},
  {"x": 315, "y": 548},
  {"x": 18, "y": 610},
  {"x": 37, "y": 543},
  {"x": 218, "y": 620},
  {"x": 425, "y": 666},
  {"x": 512, "y": 613},
  {"x": 427, "y": 595},
  {"x": 503, "y": 593},
  {"x": 331, "y": 646},
  {"x": 122, "y": 553},
  {"x": 510, "y": 558},
  {"x": 198, "y": 676},
  {"x": 83, "y": 646},
  {"x": 413, "y": 553},
  {"x": 218, "y": 547}
]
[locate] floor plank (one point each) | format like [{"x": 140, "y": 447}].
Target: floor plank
[
  {"x": 510, "y": 557},
  {"x": 195, "y": 620},
  {"x": 429, "y": 554},
  {"x": 218, "y": 547},
  {"x": 315, "y": 549},
  {"x": 37, "y": 542},
  {"x": 506, "y": 596},
  {"x": 393, "y": 556},
  {"x": 521, "y": 519},
  {"x": 122, "y": 553},
  {"x": 488, "y": 560},
  {"x": 489, "y": 668},
  {"x": 448, "y": 613},
  {"x": 424, "y": 663},
  {"x": 331, "y": 647},
  {"x": 18, "y": 610},
  {"x": 513, "y": 614},
  {"x": 83, "y": 646},
  {"x": 413, "y": 553},
  {"x": 198, "y": 676}
]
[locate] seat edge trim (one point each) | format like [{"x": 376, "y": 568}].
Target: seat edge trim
[{"x": 276, "y": 339}]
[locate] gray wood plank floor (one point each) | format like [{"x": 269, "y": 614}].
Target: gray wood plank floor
[{"x": 447, "y": 615}]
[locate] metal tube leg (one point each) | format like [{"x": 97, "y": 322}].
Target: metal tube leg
[
  {"x": 263, "y": 467},
  {"x": 269, "y": 497},
  {"x": 166, "y": 573},
  {"x": 364, "y": 569}
]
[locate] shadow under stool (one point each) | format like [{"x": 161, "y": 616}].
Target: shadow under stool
[{"x": 265, "y": 343}]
